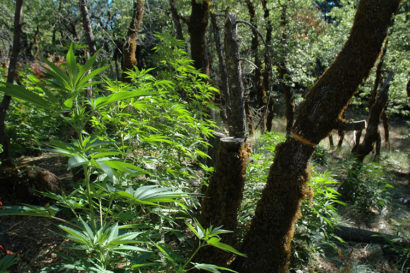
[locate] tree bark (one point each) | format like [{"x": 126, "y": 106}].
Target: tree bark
[
  {"x": 224, "y": 194},
  {"x": 260, "y": 93},
  {"x": 237, "y": 118},
  {"x": 130, "y": 46},
  {"x": 268, "y": 242},
  {"x": 386, "y": 127},
  {"x": 249, "y": 117},
  {"x": 223, "y": 85},
  {"x": 197, "y": 26},
  {"x": 10, "y": 79},
  {"x": 284, "y": 75},
  {"x": 372, "y": 134},
  {"x": 176, "y": 20},
  {"x": 378, "y": 79},
  {"x": 92, "y": 47},
  {"x": 267, "y": 73}
]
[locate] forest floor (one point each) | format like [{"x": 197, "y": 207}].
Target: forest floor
[{"x": 37, "y": 239}]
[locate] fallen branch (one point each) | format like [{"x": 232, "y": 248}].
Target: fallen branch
[{"x": 366, "y": 236}]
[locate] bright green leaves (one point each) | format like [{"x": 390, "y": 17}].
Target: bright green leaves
[
  {"x": 151, "y": 195},
  {"x": 211, "y": 268},
  {"x": 210, "y": 236},
  {"x": 91, "y": 152},
  {"x": 24, "y": 94},
  {"x": 106, "y": 244},
  {"x": 100, "y": 102},
  {"x": 75, "y": 77}
]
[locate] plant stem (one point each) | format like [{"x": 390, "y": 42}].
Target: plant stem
[
  {"x": 193, "y": 255},
  {"x": 87, "y": 184}
]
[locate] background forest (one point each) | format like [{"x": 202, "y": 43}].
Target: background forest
[{"x": 199, "y": 136}]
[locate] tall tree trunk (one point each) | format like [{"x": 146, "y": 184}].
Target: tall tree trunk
[
  {"x": 268, "y": 242},
  {"x": 92, "y": 47},
  {"x": 176, "y": 20},
  {"x": 197, "y": 26},
  {"x": 10, "y": 79},
  {"x": 372, "y": 99},
  {"x": 267, "y": 73},
  {"x": 289, "y": 98},
  {"x": 284, "y": 75},
  {"x": 237, "y": 118},
  {"x": 130, "y": 47},
  {"x": 260, "y": 93},
  {"x": 372, "y": 134},
  {"x": 224, "y": 194},
  {"x": 223, "y": 84}
]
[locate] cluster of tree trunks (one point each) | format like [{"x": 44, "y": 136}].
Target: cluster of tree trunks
[
  {"x": 223, "y": 196},
  {"x": 268, "y": 242},
  {"x": 372, "y": 131},
  {"x": 343, "y": 127}
]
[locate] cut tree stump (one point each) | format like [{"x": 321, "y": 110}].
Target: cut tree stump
[{"x": 223, "y": 196}]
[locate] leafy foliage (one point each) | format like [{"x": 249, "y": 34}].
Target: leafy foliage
[
  {"x": 366, "y": 187},
  {"x": 136, "y": 161}
]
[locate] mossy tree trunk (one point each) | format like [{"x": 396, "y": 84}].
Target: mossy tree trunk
[
  {"x": 130, "y": 46},
  {"x": 268, "y": 242},
  {"x": 197, "y": 25},
  {"x": 223, "y": 196},
  {"x": 5, "y": 103}
]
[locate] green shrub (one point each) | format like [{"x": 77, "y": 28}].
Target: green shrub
[
  {"x": 366, "y": 187},
  {"x": 319, "y": 216}
]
